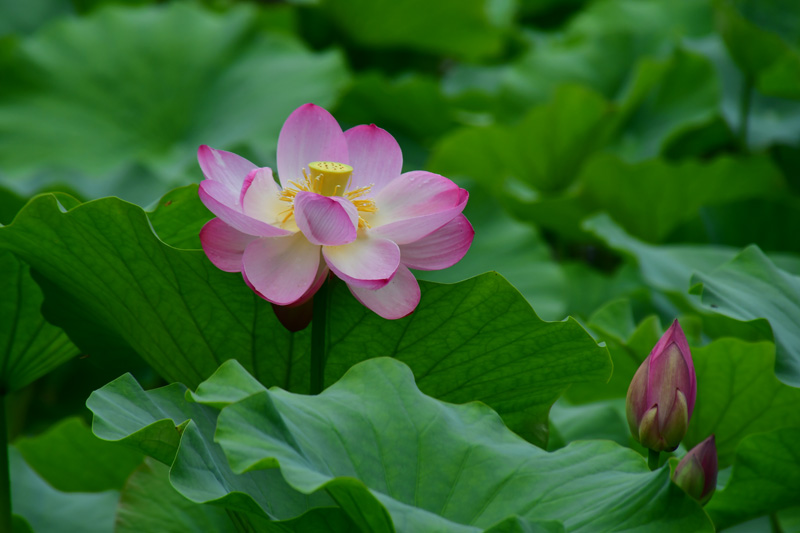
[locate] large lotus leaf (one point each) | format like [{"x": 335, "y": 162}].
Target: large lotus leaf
[
  {"x": 71, "y": 459},
  {"x": 397, "y": 460},
  {"x": 478, "y": 339},
  {"x": 545, "y": 150},
  {"x": 738, "y": 395},
  {"x": 132, "y": 92},
  {"x": 766, "y": 467},
  {"x": 468, "y": 29},
  {"x": 48, "y": 510},
  {"x": 179, "y": 433},
  {"x": 763, "y": 37},
  {"x": 750, "y": 287},
  {"x": 667, "y": 97}
]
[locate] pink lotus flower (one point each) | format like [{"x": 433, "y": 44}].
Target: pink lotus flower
[
  {"x": 342, "y": 206},
  {"x": 662, "y": 393}
]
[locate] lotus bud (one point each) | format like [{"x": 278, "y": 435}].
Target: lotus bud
[
  {"x": 697, "y": 471},
  {"x": 662, "y": 392}
]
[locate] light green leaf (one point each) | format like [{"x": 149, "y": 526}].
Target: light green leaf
[
  {"x": 180, "y": 434},
  {"x": 545, "y": 150},
  {"x": 127, "y": 93},
  {"x": 669, "y": 270},
  {"x": 50, "y": 511},
  {"x": 598, "y": 48},
  {"x": 469, "y": 29},
  {"x": 764, "y": 479},
  {"x": 666, "y": 98},
  {"x": 738, "y": 395},
  {"x": 184, "y": 317},
  {"x": 71, "y": 459},
  {"x": 750, "y": 287},
  {"x": 395, "y": 459},
  {"x": 763, "y": 37},
  {"x": 412, "y": 106},
  {"x": 652, "y": 198},
  {"x": 19, "y": 18}
]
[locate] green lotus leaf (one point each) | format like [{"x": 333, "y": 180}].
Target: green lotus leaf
[
  {"x": 65, "y": 511},
  {"x": 71, "y": 459},
  {"x": 750, "y": 287},
  {"x": 397, "y": 460},
  {"x": 766, "y": 467},
  {"x": 119, "y": 100},
  {"x": 113, "y": 284},
  {"x": 740, "y": 395}
]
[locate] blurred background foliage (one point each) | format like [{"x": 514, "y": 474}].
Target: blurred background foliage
[{"x": 617, "y": 152}]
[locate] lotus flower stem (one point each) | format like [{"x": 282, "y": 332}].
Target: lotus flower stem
[
  {"x": 5, "y": 482},
  {"x": 319, "y": 326},
  {"x": 652, "y": 459}
]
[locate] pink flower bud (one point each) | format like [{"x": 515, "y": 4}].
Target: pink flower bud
[
  {"x": 697, "y": 471},
  {"x": 662, "y": 393}
]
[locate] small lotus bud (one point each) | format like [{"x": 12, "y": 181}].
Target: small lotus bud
[
  {"x": 697, "y": 471},
  {"x": 662, "y": 393}
]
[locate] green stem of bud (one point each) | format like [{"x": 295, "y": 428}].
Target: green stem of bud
[{"x": 652, "y": 459}]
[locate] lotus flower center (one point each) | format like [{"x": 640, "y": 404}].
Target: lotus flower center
[{"x": 328, "y": 178}]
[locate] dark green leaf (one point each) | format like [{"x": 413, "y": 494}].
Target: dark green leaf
[
  {"x": 31, "y": 346},
  {"x": 738, "y": 395},
  {"x": 766, "y": 467},
  {"x": 750, "y": 287}
]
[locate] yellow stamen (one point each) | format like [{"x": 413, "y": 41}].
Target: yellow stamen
[{"x": 329, "y": 178}]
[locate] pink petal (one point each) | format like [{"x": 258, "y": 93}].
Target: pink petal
[
  {"x": 397, "y": 299},
  {"x": 675, "y": 334},
  {"x": 366, "y": 262},
  {"x": 224, "y": 167},
  {"x": 260, "y": 197},
  {"x": 224, "y": 245},
  {"x": 441, "y": 249},
  {"x": 415, "y": 205},
  {"x": 222, "y": 201},
  {"x": 309, "y": 134},
  {"x": 281, "y": 269},
  {"x": 328, "y": 220},
  {"x": 375, "y": 156},
  {"x": 322, "y": 275}
]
